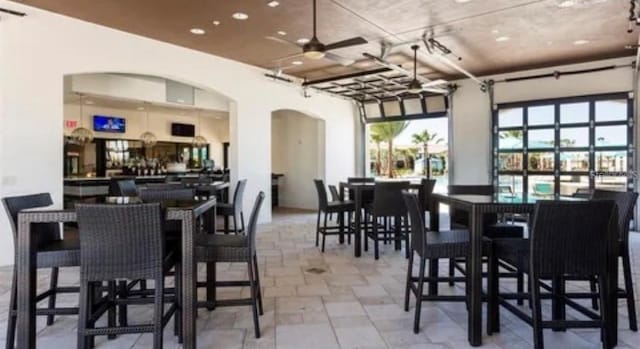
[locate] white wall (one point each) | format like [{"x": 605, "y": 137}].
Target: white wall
[
  {"x": 472, "y": 113},
  {"x": 41, "y": 48},
  {"x": 216, "y": 131},
  {"x": 297, "y": 151}
]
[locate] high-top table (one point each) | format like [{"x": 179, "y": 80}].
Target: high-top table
[
  {"x": 477, "y": 206},
  {"x": 186, "y": 211}
]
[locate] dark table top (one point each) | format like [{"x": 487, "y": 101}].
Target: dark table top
[
  {"x": 195, "y": 204},
  {"x": 518, "y": 199}
]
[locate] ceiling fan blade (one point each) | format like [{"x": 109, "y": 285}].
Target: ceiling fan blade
[
  {"x": 434, "y": 83},
  {"x": 342, "y": 60},
  {"x": 283, "y": 41},
  {"x": 346, "y": 43},
  {"x": 436, "y": 90}
]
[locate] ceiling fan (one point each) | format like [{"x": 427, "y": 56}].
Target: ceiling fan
[{"x": 314, "y": 49}]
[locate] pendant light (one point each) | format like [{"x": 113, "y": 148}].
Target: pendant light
[
  {"x": 81, "y": 135},
  {"x": 199, "y": 141},
  {"x": 148, "y": 138},
  {"x": 415, "y": 86}
]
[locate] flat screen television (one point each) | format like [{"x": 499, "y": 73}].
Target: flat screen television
[
  {"x": 108, "y": 124},
  {"x": 183, "y": 130}
]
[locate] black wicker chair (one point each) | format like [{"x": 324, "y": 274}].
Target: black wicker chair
[
  {"x": 233, "y": 210},
  {"x": 431, "y": 246},
  {"x": 626, "y": 202},
  {"x": 492, "y": 229},
  {"x": 52, "y": 252},
  {"x": 328, "y": 207},
  {"x": 218, "y": 248},
  {"x": 124, "y": 242},
  {"x": 123, "y": 187},
  {"x": 388, "y": 204},
  {"x": 424, "y": 193},
  {"x": 586, "y": 234}
]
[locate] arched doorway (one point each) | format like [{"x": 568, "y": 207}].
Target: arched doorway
[{"x": 298, "y": 154}]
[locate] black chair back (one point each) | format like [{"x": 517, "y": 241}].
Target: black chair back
[
  {"x": 238, "y": 195},
  {"x": 153, "y": 195},
  {"x": 626, "y": 203},
  {"x": 573, "y": 238},
  {"x": 418, "y": 231},
  {"x": 335, "y": 196},
  {"x": 426, "y": 189},
  {"x": 163, "y": 186},
  {"x": 42, "y": 231},
  {"x": 253, "y": 222},
  {"x": 323, "y": 201},
  {"x": 120, "y": 241},
  {"x": 127, "y": 187},
  {"x": 388, "y": 200},
  {"x": 361, "y": 180}
]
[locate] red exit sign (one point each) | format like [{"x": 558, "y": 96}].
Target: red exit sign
[{"x": 70, "y": 123}]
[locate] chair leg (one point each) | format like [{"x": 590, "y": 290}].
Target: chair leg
[
  {"x": 366, "y": 232},
  {"x": 434, "y": 272},
  {"x": 111, "y": 313},
  {"x": 493, "y": 304},
  {"x": 416, "y": 320},
  {"x": 538, "y": 339},
  {"x": 408, "y": 283},
  {"x": 520, "y": 286},
  {"x": 349, "y": 230},
  {"x": 604, "y": 292},
  {"x": 258, "y": 285},
  {"x": 122, "y": 308},
  {"x": 158, "y": 312},
  {"x": 235, "y": 224},
  {"x": 557, "y": 301},
  {"x": 11, "y": 321},
  {"x": 452, "y": 271},
  {"x": 83, "y": 312},
  {"x": 628, "y": 286},
  {"x": 318, "y": 228},
  {"x": 143, "y": 287},
  {"x": 324, "y": 236},
  {"x": 254, "y": 296},
  {"x": 53, "y": 287},
  {"x": 242, "y": 227},
  {"x": 376, "y": 247},
  {"x": 177, "y": 320},
  {"x": 211, "y": 285},
  {"x": 593, "y": 288}
]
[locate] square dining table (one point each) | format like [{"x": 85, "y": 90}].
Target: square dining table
[
  {"x": 186, "y": 211},
  {"x": 477, "y": 206}
]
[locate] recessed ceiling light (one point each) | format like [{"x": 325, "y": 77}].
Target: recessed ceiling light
[
  {"x": 273, "y": 3},
  {"x": 461, "y": 1},
  {"x": 88, "y": 102},
  {"x": 302, "y": 41},
  {"x": 580, "y": 42},
  {"x": 197, "y": 31},
  {"x": 140, "y": 108},
  {"x": 502, "y": 38},
  {"x": 296, "y": 62},
  {"x": 218, "y": 117},
  {"x": 241, "y": 16},
  {"x": 495, "y": 31},
  {"x": 282, "y": 32},
  {"x": 216, "y": 23},
  {"x": 566, "y": 3}
]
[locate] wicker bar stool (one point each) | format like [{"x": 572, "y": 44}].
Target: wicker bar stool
[
  {"x": 52, "y": 252},
  {"x": 124, "y": 242},
  {"x": 430, "y": 245},
  {"x": 388, "y": 204},
  {"x": 586, "y": 234},
  {"x": 327, "y": 207},
  {"x": 233, "y": 210},
  {"x": 219, "y": 248},
  {"x": 123, "y": 187}
]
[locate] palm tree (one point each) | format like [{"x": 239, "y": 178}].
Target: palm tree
[
  {"x": 425, "y": 138},
  {"x": 375, "y": 138},
  {"x": 388, "y": 131}
]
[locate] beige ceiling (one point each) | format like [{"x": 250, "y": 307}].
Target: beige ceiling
[
  {"x": 135, "y": 105},
  {"x": 540, "y": 32}
]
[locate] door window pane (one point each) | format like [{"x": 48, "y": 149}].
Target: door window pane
[
  {"x": 574, "y": 137},
  {"x": 574, "y": 161},
  {"x": 611, "y": 183},
  {"x": 541, "y": 138},
  {"x": 510, "y": 185},
  {"x": 611, "y": 110},
  {"x": 574, "y": 186},
  {"x": 608, "y": 136},
  {"x": 572, "y": 113},
  {"x": 611, "y": 161},
  {"x": 511, "y": 139},
  {"x": 541, "y": 186},
  {"x": 510, "y": 117},
  {"x": 542, "y": 115},
  {"x": 541, "y": 161},
  {"x": 510, "y": 162}
]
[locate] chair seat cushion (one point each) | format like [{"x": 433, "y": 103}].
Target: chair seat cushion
[
  {"x": 222, "y": 248},
  {"x": 59, "y": 253},
  {"x": 447, "y": 244},
  {"x": 341, "y": 206}
]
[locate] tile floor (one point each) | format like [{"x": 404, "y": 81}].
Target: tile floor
[{"x": 330, "y": 300}]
